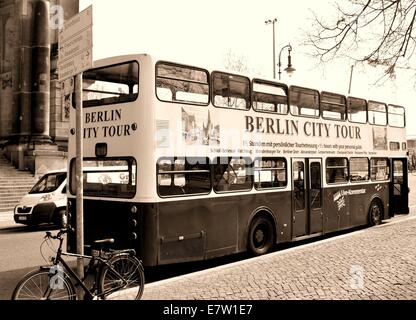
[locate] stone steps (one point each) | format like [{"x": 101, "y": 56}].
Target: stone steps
[{"x": 14, "y": 184}]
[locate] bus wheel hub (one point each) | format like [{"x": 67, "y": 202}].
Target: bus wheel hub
[{"x": 259, "y": 236}]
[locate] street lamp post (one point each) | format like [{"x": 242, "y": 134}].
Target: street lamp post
[
  {"x": 349, "y": 87},
  {"x": 274, "y": 46},
  {"x": 289, "y": 69}
]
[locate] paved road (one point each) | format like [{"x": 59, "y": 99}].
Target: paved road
[
  {"x": 20, "y": 248},
  {"x": 19, "y": 253},
  {"x": 372, "y": 264}
]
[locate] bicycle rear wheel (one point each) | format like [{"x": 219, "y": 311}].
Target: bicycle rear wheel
[
  {"x": 122, "y": 278},
  {"x": 43, "y": 285}
]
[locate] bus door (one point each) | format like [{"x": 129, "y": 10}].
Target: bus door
[
  {"x": 306, "y": 197},
  {"x": 399, "y": 191},
  {"x": 315, "y": 196}
]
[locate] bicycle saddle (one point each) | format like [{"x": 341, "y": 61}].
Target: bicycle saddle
[{"x": 104, "y": 241}]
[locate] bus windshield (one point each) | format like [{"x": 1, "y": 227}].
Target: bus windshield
[
  {"x": 109, "y": 85},
  {"x": 115, "y": 178}
]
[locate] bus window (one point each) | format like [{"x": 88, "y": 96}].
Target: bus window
[
  {"x": 316, "y": 185},
  {"x": 183, "y": 176},
  {"x": 179, "y": 179},
  {"x": 269, "y": 97},
  {"x": 270, "y": 173},
  {"x": 178, "y": 83},
  {"x": 230, "y": 91},
  {"x": 164, "y": 179},
  {"x": 336, "y": 170},
  {"x": 377, "y": 113},
  {"x": 380, "y": 169},
  {"x": 396, "y": 116},
  {"x": 109, "y": 177},
  {"x": 394, "y": 146},
  {"x": 359, "y": 169},
  {"x": 298, "y": 172},
  {"x": 357, "y": 110},
  {"x": 110, "y": 85},
  {"x": 398, "y": 172},
  {"x": 232, "y": 174},
  {"x": 304, "y": 102},
  {"x": 333, "y": 106}
]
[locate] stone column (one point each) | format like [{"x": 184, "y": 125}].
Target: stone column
[
  {"x": 6, "y": 77},
  {"x": 1, "y": 62},
  {"x": 24, "y": 56},
  {"x": 41, "y": 74},
  {"x": 42, "y": 155}
]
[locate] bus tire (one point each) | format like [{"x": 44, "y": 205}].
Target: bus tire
[
  {"x": 261, "y": 235},
  {"x": 375, "y": 215}
]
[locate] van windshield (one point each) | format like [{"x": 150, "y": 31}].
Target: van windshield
[{"x": 48, "y": 183}]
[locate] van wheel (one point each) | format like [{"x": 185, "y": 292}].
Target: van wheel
[
  {"x": 61, "y": 218},
  {"x": 261, "y": 235}
]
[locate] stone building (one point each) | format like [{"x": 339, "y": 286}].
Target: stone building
[
  {"x": 411, "y": 146},
  {"x": 33, "y": 122}
]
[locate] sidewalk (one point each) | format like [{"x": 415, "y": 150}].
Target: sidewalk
[{"x": 369, "y": 264}]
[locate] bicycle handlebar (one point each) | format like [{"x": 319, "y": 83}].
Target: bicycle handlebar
[{"x": 59, "y": 234}]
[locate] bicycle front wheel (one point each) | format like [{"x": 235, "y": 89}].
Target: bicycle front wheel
[
  {"x": 122, "y": 278},
  {"x": 43, "y": 285}
]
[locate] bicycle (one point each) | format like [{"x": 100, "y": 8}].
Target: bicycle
[{"x": 113, "y": 270}]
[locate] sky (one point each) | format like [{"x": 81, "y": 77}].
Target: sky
[{"x": 201, "y": 33}]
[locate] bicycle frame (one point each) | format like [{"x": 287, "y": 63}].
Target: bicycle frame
[{"x": 59, "y": 260}]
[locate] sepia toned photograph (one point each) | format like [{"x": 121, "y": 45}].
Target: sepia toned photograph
[{"x": 217, "y": 158}]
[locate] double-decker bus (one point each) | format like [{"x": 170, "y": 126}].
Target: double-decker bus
[{"x": 182, "y": 163}]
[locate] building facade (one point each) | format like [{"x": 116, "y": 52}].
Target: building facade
[
  {"x": 33, "y": 120},
  {"x": 411, "y": 146}
]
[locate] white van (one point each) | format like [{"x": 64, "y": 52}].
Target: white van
[{"x": 45, "y": 202}]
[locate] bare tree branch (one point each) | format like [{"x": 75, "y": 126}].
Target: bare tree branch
[
  {"x": 379, "y": 32},
  {"x": 236, "y": 63}
]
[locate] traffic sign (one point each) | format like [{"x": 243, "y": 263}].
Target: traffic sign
[{"x": 75, "y": 45}]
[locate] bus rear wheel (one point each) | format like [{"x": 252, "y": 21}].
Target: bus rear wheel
[
  {"x": 376, "y": 213},
  {"x": 261, "y": 235}
]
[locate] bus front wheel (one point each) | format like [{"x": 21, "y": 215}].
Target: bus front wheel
[
  {"x": 260, "y": 236},
  {"x": 376, "y": 213}
]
